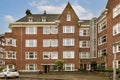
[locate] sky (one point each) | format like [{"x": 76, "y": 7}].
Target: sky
[{"x": 12, "y": 10}]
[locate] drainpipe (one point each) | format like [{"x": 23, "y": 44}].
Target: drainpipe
[
  {"x": 21, "y": 50},
  {"x": 114, "y": 68}
]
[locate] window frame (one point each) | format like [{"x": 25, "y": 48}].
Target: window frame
[
  {"x": 69, "y": 67},
  {"x": 68, "y": 29},
  {"x": 31, "y": 30},
  {"x": 31, "y": 43},
  {"x": 84, "y": 44},
  {"x": 68, "y": 42},
  {"x": 28, "y": 66},
  {"x": 28, "y": 55},
  {"x": 68, "y": 54},
  {"x": 116, "y": 10},
  {"x": 83, "y": 33},
  {"x": 102, "y": 40},
  {"x": 84, "y": 55}
]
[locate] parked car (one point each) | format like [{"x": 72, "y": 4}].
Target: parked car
[{"x": 5, "y": 73}]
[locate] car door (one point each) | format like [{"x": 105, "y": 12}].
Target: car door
[{"x": 2, "y": 73}]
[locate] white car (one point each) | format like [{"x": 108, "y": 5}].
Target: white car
[{"x": 5, "y": 73}]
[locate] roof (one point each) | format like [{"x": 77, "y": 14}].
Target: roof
[
  {"x": 85, "y": 22},
  {"x": 38, "y": 17},
  {"x": 69, "y": 9},
  {"x": 100, "y": 17},
  {"x": 1, "y": 35}
]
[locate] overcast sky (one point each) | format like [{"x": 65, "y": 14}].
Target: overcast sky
[{"x": 12, "y": 10}]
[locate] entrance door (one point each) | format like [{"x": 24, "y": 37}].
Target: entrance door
[
  {"x": 93, "y": 66},
  {"x": 46, "y": 68}
]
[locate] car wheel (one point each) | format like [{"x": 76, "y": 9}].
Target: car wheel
[
  {"x": 5, "y": 76},
  {"x": 17, "y": 76}
]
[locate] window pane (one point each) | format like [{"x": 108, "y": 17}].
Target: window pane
[
  {"x": 54, "y": 30},
  {"x": 68, "y": 29},
  {"x": 54, "y": 43},
  {"x": 54, "y": 55},
  {"x": 68, "y": 17},
  {"x": 68, "y": 54},
  {"x": 84, "y": 32},
  {"x": 68, "y": 42},
  {"x": 31, "y": 55},
  {"x": 31, "y": 43},
  {"x": 46, "y": 55},
  {"x": 46, "y": 30},
  {"x": 69, "y": 67},
  {"x": 84, "y": 55},
  {"x": 31, "y": 67},
  {"x": 31, "y": 30},
  {"x": 46, "y": 43}
]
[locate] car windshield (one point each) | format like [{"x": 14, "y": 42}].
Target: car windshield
[{"x": 12, "y": 70}]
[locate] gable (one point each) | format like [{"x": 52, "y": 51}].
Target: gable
[{"x": 68, "y": 10}]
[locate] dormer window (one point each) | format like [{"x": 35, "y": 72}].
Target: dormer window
[
  {"x": 30, "y": 19},
  {"x": 43, "y": 19},
  {"x": 68, "y": 16}
]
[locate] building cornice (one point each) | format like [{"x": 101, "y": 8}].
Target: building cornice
[{"x": 38, "y": 24}]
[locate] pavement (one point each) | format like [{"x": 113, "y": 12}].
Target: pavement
[{"x": 68, "y": 76}]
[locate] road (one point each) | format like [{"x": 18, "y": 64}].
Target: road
[{"x": 27, "y": 79}]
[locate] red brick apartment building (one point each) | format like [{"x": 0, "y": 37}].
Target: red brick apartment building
[
  {"x": 113, "y": 32},
  {"x": 38, "y": 40},
  {"x": 2, "y": 63},
  {"x": 108, "y": 36}
]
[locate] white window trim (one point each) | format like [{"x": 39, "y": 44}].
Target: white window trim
[
  {"x": 51, "y": 30},
  {"x": 46, "y": 43},
  {"x": 81, "y": 44},
  {"x": 72, "y": 66},
  {"x": 10, "y": 54},
  {"x": 14, "y": 42},
  {"x": 27, "y": 55},
  {"x": 81, "y": 31},
  {"x": 54, "y": 30},
  {"x": 116, "y": 29},
  {"x": 7, "y": 66},
  {"x": 33, "y": 41},
  {"x": 51, "y": 55},
  {"x": 34, "y": 30},
  {"x": 100, "y": 54},
  {"x": 8, "y": 41},
  {"x": 69, "y": 17},
  {"x": 116, "y": 48},
  {"x": 70, "y": 53},
  {"x": 46, "y": 53},
  {"x": 100, "y": 40},
  {"x": 101, "y": 25},
  {"x": 65, "y": 41},
  {"x": 116, "y": 10},
  {"x": 27, "y": 67},
  {"x": 44, "y": 30},
  {"x": 50, "y": 43},
  {"x": 71, "y": 28},
  {"x": 87, "y": 55},
  {"x": 54, "y": 55}
]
